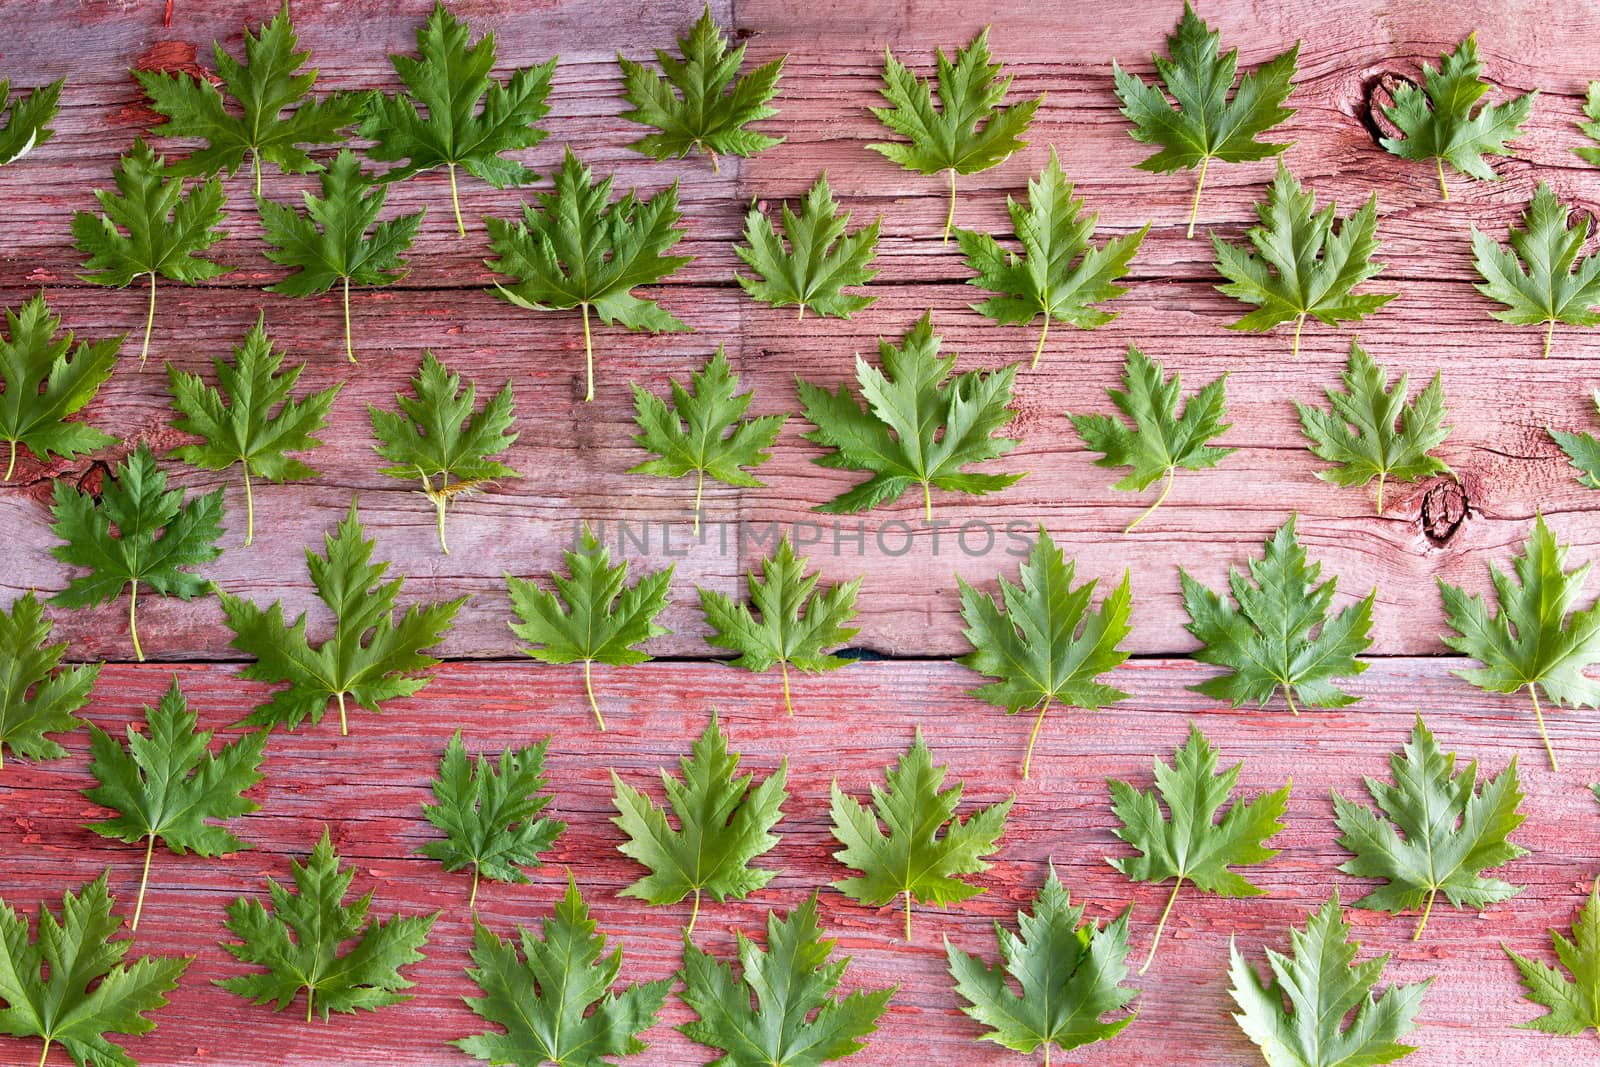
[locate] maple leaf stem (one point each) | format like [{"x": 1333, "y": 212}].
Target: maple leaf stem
[
  {"x": 1426, "y": 911},
  {"x": 349, "y": 349},
  {"x": 1537, "y": 714},
  {"x": 1027, "y": 759},
  {"x": 149, "y": 321},
  {"x": 788, "y": 707},
  {"x": 13, "y": 464},
  {"x": 1381, "y": 476},
  {"x": 311, "y": 995},
  {"x": 1549, "y": 329},
  {"x": 949, "y": 221},
  {"x": 694, "y": 916},
  {"x": 927, "y": 504},
  {"x": 588, "y": 357},
  {"x": 45, "y": 1052},
  {"x": 1299, "y": 324},
  {"x": 472, "y": 900},
  {"x": 344, "y": 726},
  {"x": 1288, "y": 694},
  {"x": 249, "y": 508},
  {"x": 133, "y": 618},
  {"x": 1194, "y": 207},
  {"x": 699, "y": 485},
  {"x": 438, "y": 509},
  {"x": 908, "y": 906},
  {"x": 1444, "y": 190},
  {"x": 255, "y": 168},
  {"x": 716, "y": 164},
  {"x": 588, "y": 687},
  {"x": 800, "y": 316},
  {"x": 1145, "y": 514},
  {"x": 144, "y": 880},
  {"x": 455, "y": 201},
  {"x": 1039, "y": 350},
  {"x": 1162, "y": 924}
]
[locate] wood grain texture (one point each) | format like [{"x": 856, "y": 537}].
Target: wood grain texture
[
  {"x": 574, "y": 456},
  {"x": 367, "y": 789}
]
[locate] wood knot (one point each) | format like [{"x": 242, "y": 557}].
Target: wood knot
[
  {"x": 1377, "y": 93},
  {"x": 744, "y": 33},
  {"x": 1444, "y": 505}
]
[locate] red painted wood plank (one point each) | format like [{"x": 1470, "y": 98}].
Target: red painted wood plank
[
  {"x": 366, "y": 788},
  {"x": 575, "y": 457}
]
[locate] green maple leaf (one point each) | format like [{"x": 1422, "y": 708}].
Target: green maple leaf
[
  {"x": 370, "y": 657},
  {"x": 704, "y": 432},
  {"x": 437, "y": 434},
  {"x": 1372, "y": 431},
  {"x": 1323, "y": 984},
  {"x": 1582, "y": 449},
  {"x": 819, "y": 261},
  {"x": 1070, "y": 973},
  {"x": 1190, "y": 842},
  {"x": 31, "y": 665},
  {"x": 167, "y": 229},
  {"x": 158, "y": 533},
  {"x": 795, "y": 1019},
  {"x": 166, "y": 786},
  {"x": 1437, "y": 119},
  {"x": 298, "y": 942},
  {"x": 1159, "y": 439},
  {"x": 77, "y": 952},
  {"x": 236, "y": 420},
  {"x": 490, "y": 814},
  {"x": 796, "y": 623},
  {"x": 699, "y": 103},
  {"x": 1536, "y": 637},
  {"x": 722, "y": 826},
  {"x": 971, "y": 94},
  {"x": 28, "y": 118},
  {"x": 593, "y": 615},
  {"x": 1201, "y": 123},
  {"x": 580, "y": 250},
  {"x": 1300, "y": 266},
  {"x": 271, "y": 79},
  {"x": 918, "y": 425},
  {"x": 449, "y": 80},
  {"x": 557, "y": 1004},
  {"x": 1047, "y": 645},
  {"x": 1453, "y": 831},
  {"x": 1573, "y": 1003},
  {"x": 913, "y": 860},
  {"x": 47, "y": 378},
  {"x": 328, "y": 243},
  {"x": 1267, "y": 642},
  {"x": 1542, "y": 277},
  {"x": 1591, "y": 128},
  {"x": 1054, "y": 230}
]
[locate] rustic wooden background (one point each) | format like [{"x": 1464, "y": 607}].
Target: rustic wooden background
[{"x": 367, "y": 787}]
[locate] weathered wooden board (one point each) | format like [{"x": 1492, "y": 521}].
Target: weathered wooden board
[
  {"x": 575, "y": 458},
  {"x": 575, "y": 455},
  {"x": 367, "y": 788}
]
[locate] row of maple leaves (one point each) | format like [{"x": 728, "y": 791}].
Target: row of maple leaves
[
  {"x": 966, "y": 58},
  {"x": 166, "y": 786}
]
